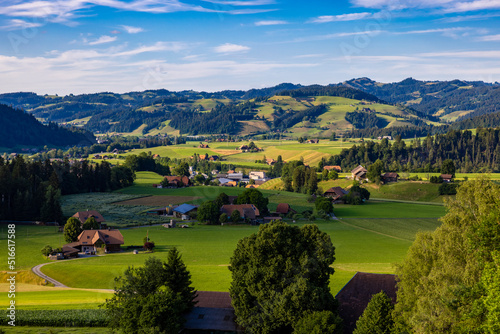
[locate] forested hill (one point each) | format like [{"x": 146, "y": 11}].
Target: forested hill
[
  {"x": 18, "y": 128},
  {"x": 449, "y": 100}
]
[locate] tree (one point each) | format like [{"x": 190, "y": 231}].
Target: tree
[
  {"x": 51, "y": 209},
  {"x": 377, "y": 316},
  {"x": 255, "y": 197},
  {"x": 375, "y": 170},
  {"x": 221, "y": 199},
  {"x": 323, "y": 204},
  {"x": 149, "y": 246},
  {"x": 279, "y": 274},
  {"x": 208, "y": 212},
  {"x": 356, "y": 195},
  {"x": 46, "y": 250},
  {"x": 146, "y": 300},
  {"x": 448, "y": 167},
  {"x": 333, "y": 175},
  {"x": 72, "y": 230},
  {"x": 235, "y": 216},
  {"x": 318, "y": 322},
  {"x": 440, "y": 288},
  {"x": 182, "y": 169},
  {"x": 223, "y": 218},
  {"x": 91, "y": 224},
  {"x": 491, "y": 300}
]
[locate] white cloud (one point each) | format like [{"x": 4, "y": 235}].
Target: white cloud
[
  {"x": 463, "y": 54},
  {"x": 242, "y": 2},
  {"x": 270, "y": 23},
  {"x": 467, "y": 6},
  {"x": 157, "y": 47},
  {"x": 132, "y": 30},
  {"x": 230, "y": 48},
  {"x": 340, "y": 18},
  {"x": 451, "y": 6},
  {"x": 489, "y": 38},
  {"x": 15, "y": 24},
  {"x": 103, "y": 39}
]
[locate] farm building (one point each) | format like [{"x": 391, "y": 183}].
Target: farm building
[
  {"x": 335, "y": 193},
  {"x": 82, "y": 216},
  {"x": 389, "y": 177},
  {"x": 246, "y": 210},
  {"x": 177, "y": 181},
  {"x": 284, "y": 209},
  {"x": 359, "y": 173},
  {"x": 312, "y": 141},
  {"x": 257, "y": 175},
  {"x": 356, "y": 294},
  {"x": 446, "y": 177},
  {"x": 92, "y": 240},
  {"x": 335, "y": 168},
  {"x": 183, "y": 211}
]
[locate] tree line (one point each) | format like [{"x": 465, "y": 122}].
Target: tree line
[
  {"x": 479, "y": 152},
  {"x": 31, "y": 190}
]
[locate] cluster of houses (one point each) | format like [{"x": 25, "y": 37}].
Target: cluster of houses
[{"x": 229, "y": 179}]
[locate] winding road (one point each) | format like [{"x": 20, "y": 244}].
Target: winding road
[{"x": 36, "y": 271}]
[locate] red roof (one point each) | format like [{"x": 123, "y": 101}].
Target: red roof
[
  {"x": 283, "y": 208},
  {"x": 178, "y": 180},
  {"x": 108, "y": 237},
  {"x": 246, "y": 210}
]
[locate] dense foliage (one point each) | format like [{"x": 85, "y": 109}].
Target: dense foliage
[
  {"x": 153, "y": 298},
  {"x": 445, "y": 282},
  {"x": 317, "y": 90},
  {"x": 279, "y": 274},
  {"x": 299, "y": 178},
  {"x": 479, "y": 152},
  {"x": 31, "y": 190},
  {"x": 377, "y": 316},
  {"x": 19, "y": 128},
  {"x": 286, "y": 120},
  {"x": 57, "y": 318},
  {"x": 364, "y": 120}
]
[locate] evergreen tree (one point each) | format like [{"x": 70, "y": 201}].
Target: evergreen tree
[
  {"x": 377, "y": 316},
  {"x": 51, "y": 209},
  {"x": 178, "y": 280}
]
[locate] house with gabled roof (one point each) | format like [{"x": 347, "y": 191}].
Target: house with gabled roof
[
  {"x": 359, "y": 173},
  {"x": 335, "y": 193},
  {"x": 82, "y": 216},
  {"x": 389, "y": 177},
  {"x": 183, "y": 211},
  {"x": 335, "y": 168},
  {"x": 284, "y": 209},
  {"x": 246, "y": 210},
  {"x": 92, "y": 240},
  {"x": 177, "y": 181}
]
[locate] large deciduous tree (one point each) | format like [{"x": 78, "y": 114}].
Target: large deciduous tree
[
  {"x": 443, "y": 282},
  {"x": 280, "y": 274},
  {"x": 375, "y": 170},
  {"x": 255, "y": 197}
]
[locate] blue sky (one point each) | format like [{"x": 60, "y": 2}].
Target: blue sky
[{"x": 76, "y": 46}]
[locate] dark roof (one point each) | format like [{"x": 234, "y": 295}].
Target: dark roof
[
  {"x": 82, "y": 216},
  {"x": 67, "y": 250},
  {"x": 391, "y": 175},
  {"x": 184, "y": 208},
  {"x": 213, "y": 299},
  {"x": 358, "y": 170},
  {"x": 446, "y": 176},
  {"x": 337, "y": 191},
  {"x": 246, "y": 210},
  {"x": 212, "y": 319},
  {"x": 355, "y": 295}
]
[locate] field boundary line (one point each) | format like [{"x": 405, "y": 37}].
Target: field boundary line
[
  {"x": 367, "y": 229},
  {"x": 404, "y": 201},
  {"x": 142, "y": 196}
]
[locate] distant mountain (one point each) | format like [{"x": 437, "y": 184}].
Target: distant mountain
[
  {"x": 18, "y": 128},
  {"x": 448, "y": 100}
]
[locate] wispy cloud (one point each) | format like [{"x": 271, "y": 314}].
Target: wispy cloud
[
  {"x": 489, "y": 38},
  {"x": 16, "y": 24},
  {"x": 341, "y": 18},
  {"x": 450, "y": 6},
  {"x": 132, "y": 30},
  {"x": 230, "y": 48},
  {"x": 270, "y": 23},
  {"x": 463, "y": 54},
  {"x": 103, "y": 39},
  {"x": 242, "y": 2},
  {"x": 432, "y": 31}
]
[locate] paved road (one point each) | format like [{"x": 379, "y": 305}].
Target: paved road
[{"x": 36, "y": 270}]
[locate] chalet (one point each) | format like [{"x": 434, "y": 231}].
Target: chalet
[
  {"x": 244, "y": 147},
  {"x": 284, "y": 209},
  {"x": 69, "y": 252},
  {"x": 312, "y": 141},
  {"x": 356, "y": 294},
  {"x": 246, "y": 210},
  {"x": 338, "y": 169},
  {"x": 92, "y": 240},
  {"x": 203, "y": 156},
  {"x": 252, "y": 186},
  {"x": 183, "y": 211},
  {"x": 359, "y": 173},
  {"x": 335, "y": 193},
  {"x": 446, "y": 177},
  {"x": 257, "y": 175},
  {"x": 230, "y": 184},
  {"x": 82, "y": 216},
  {"x": 270, "y": 162},
  {"x": 177, "y": 181},
  {"x": 389, "y": 177},
  {"x": 214, "y": 158},
  {"x": 203, "y": 146}
]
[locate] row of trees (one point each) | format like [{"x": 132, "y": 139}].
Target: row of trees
[
  {"x": 479, "y": 152},
  {"x": 31, "y": 190},
  {"x": 299, "y": 178}
]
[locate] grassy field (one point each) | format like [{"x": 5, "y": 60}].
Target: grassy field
[{"x": 52, "y": 330}]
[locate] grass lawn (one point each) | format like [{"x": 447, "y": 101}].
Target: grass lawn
[{"x": 375, "y": 209}]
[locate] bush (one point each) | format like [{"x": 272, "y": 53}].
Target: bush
[
  {"x": 448, "y": 189},
  {"x": 436, "y": 179}
]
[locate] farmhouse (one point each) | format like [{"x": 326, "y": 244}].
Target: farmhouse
[
  {"x": 203, "y": 145},
  {"x": 359, "y": 173},
  {"x": 335, "y": 168},
  {"x": 335, "y": 193},
  {"x": 82, "y": 216},
  {"x": 313, "y": 141},
  {"x": 389, "y": 177},
  {"x": 177, "y": 181},
  {"x": 246, "y": 210},
  {"x": 257, "y": 175},
  {"x": 183, "y": 211},
  {"x": 92, "y": 240},
  {"x": 446, "y": 177}
]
